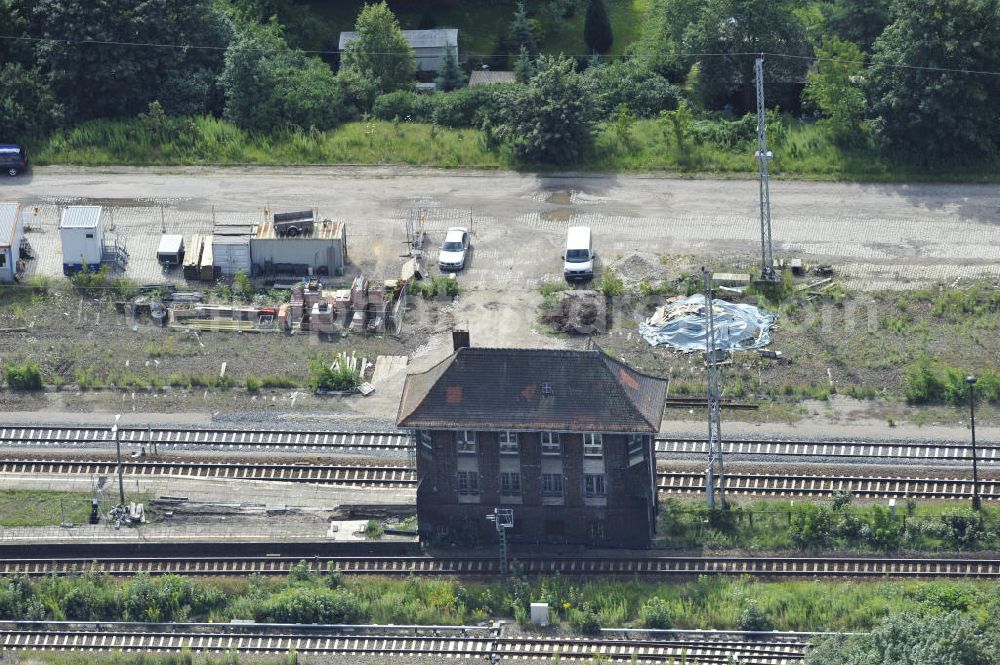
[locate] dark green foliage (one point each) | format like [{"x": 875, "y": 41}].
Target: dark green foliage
[
  {"x": 119, "y": 80},
  {"x": 930, "y": 116},
  {"x": 656, "y": 613},
  {"x": 25, "y": 376},
  {"x": 754, "y": 618},
  {"x": 660, "y": 44},
  {"x": 909, "y": 639},
  {"x": 630, "y": 82},
  {"x": 747, "y": 26},
  {"x": 269, "y": 86},
  {"x": 380, "y": 50},
  {"x": 451, "y": 76},
  {"x": 521, "y": 32},
  {"x": 523, "y": 66},
  {"x": 323, "y": 376},
  {"x": 927, "y": 382},
  {"x": 550, "y": 120},
  {"x": 585, "y": 621},
  {"x": 858, "y": 21},
  {"x": 468, "y": 107},
  {"x": 305, "y": 605},
  {"x": 303, "y": 27},
  {"x": 402, "y": 104},
  {"x": 358, "y": 91},
  {"x": 597, "y": 32},
  {"x": 27, "y": 105}
]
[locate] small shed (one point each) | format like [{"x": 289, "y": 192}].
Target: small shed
[
  {"x": 429, "y": 46},
  {"x": 11, "y": 230},
  {"x": 231, "y": 248},
  {"x": 319, "y": 249},
  {"x": 171, "y": 249},
  {"x": 82, "y": 234}
]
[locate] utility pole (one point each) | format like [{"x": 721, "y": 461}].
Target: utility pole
[
  {"x": 763, "y": 156},
  {"x": 118, "y": 451},
  {"x": 971, "y": 380},
  {"x": 715, "y": 479}
]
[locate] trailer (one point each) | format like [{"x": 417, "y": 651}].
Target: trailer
[{"x": 170, "y": 253}]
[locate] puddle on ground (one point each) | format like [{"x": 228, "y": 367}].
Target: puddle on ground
[
  {"x": 558, "y": 215},
  {"x": 561, "y": 198}
]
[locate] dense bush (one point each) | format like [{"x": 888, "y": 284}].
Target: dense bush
[
  {"x": 633, "y": 84},
  {"x": 305, "y": 605},
  {"x": 402, "y": 104},
  {"x": 468, "y": 107},
  {"x": 584, "y": 621},
  {"x": 25, "y": 376},
  {"x": 928, "y": 382},
  {"x": 656, "y": 613},
  {"x": 323, "y": 375},
  {"x": 754, "y": 618}
]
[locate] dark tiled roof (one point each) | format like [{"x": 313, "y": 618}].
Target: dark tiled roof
[{"x": 480, "y": 388}]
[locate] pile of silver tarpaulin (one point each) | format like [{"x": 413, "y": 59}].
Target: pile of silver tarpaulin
[{"x": 683, "y": 325}]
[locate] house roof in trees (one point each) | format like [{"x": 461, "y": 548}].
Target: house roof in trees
[
  {"x": 437, "y": 38},
  {"x": 488, "y": 77}
]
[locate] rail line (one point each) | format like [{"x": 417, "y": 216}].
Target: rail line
[
  {"x": 458, "y": 644},
  {"x": 243, "y": 440},
  {"x": 685, "y": 482},
  {"x": 644, "y": 566},
  {"x": 401, "y": 477}
]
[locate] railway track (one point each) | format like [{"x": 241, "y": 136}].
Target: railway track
[
  {"x": 318, "y": 441},
  {"x": 648, "y": 566},
  {"x": 400, "y": 477},
  {"x": 458, "y": 643}
]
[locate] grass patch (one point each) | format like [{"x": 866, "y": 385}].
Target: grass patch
[
  {"x": 306, "y": 596},
  {"x": 42, "y": 507},
  {"x": 804, "y": 150}
]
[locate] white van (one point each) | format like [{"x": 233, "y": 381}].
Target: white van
[{"x": 578, "y": 261}]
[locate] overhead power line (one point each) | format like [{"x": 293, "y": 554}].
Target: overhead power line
[{"x": 487, "y": 56}]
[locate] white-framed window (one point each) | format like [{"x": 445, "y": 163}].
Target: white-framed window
[
  {"x": 636, "y": 448},
  {"x": 465, "y": 441},
  {"x": 508, "y": 443},
  {"x": 468, "y": 482},
  {"x": 425, "y": 439},
  {"x": 552, "y": 484},
  {"x": 593, "y": 444},
  {"x": 593, "y": 485},
  {"x": 510, "y": 483},
  {"x": 550, "y": 443}
]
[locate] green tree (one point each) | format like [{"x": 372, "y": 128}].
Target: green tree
[
  {"x": 934, "y": 115},
  {"x": 521, "y": 33},
  {"x": 908, "y": 639},
  {"x": 634, "y": 83},
  {"x": 858, "y": 21},
  {"x": 597, "y": 32},
  {"x": 107, "y": 80},
  {"x": 451, "y": 76},
  {"x": 834, "y": 87},
  {"x": 524, "y": 66},
  {"x": 268, "y": 86},
  {"x": 380, "y": 49},
  {"x": 26, "y": 103},
  {"x": 660, "y": 42},
  {"x": 551, "y": 119},
  {"x": 740, "y": 27}
]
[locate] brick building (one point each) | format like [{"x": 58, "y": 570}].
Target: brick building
[{"x": 564, "y": 438}]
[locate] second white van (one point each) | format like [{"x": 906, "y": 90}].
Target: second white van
[{"x": 578, "y": 261}]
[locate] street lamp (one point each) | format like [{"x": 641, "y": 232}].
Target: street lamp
[
  {"x": 971, "y": 380},
  {"x": 118, "y": 450}
]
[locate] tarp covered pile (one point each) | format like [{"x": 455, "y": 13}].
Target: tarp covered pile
[{"x": 683, "y": 325}]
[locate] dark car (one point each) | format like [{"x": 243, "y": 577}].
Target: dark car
[{"x": 13, "y": 159}]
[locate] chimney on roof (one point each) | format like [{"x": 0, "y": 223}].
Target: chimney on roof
[{"x": 460, "y": 339}]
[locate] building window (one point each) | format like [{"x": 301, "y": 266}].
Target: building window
[
  {"x": 593, "y": 485},
  {"x": 552, "y": 484},
  {"x": 425, "y": 439},
  {"x": 595, "y": 529},
  {"x": 508, "y": 443},
  {"x": 636, "y": 447},
  {"x": 510, "y": 483},
  {"x": 593, "y": 444},
  {"x": 3, "y": 259},
  {"x": 468, "y": 482},
  {"x": 550, "y": 443},
  {"x": 465, "y": 441}
]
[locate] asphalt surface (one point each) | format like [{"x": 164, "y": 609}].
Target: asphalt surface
[{"x": 877, "y": 236}]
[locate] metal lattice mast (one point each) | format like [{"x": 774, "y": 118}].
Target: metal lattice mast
[
  {"x": 763, "y": 155},
  {"x": 715, "y": 479}
]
